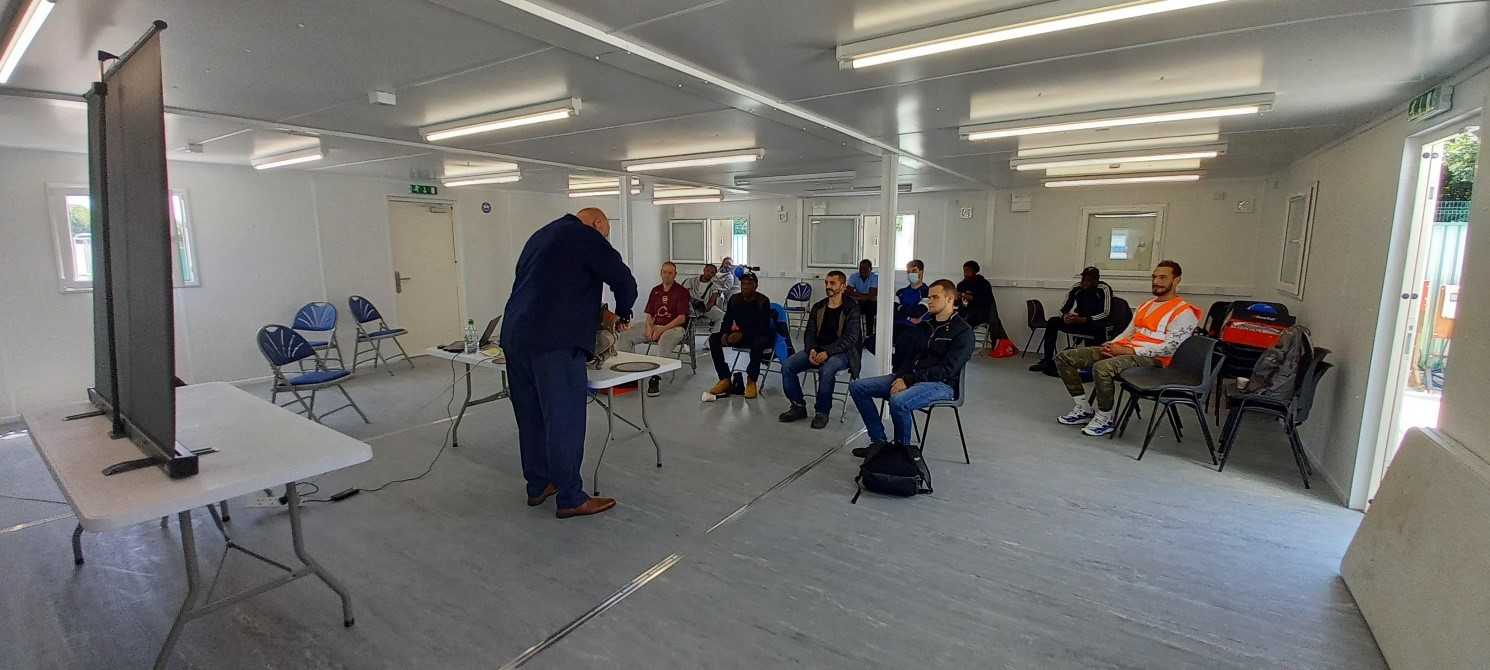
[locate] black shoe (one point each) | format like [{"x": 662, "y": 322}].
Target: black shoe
[
  {"x": 819, "y": 421},
  {"x": 796, "y": 413},
  {"x": 862, "y": 452},
  {"x": 1051, "y": 372},
  {"x": 654, "y": 387},
  {"x": 1043, "y": 366}
]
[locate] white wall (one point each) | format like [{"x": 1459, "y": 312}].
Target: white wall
[
  {"x": 266, "y": 242},
  {"x": 1035, "y": 254},
  {"x": 1355, "y": 253},
  {"x": 943, "y": 239}
]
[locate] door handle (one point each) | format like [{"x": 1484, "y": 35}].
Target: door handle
[{"x": 399, "y": 279}]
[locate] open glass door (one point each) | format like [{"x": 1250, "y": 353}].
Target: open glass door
[{"x": 1430, "y": 290}]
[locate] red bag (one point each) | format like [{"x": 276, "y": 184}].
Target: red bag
[
  {"x": 1003, "y": 348},
  {"x": 1251, "y": 332}
]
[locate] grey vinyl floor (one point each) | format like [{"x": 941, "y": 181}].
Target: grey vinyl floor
[{"x": 1050, "y": 550}]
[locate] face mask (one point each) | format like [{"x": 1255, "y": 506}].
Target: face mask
[{"x": 913, "y": 276}]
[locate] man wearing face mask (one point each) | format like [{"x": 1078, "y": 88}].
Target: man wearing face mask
[
  {"x": 909, "y": 306},
  {"x": 830, "y": 342},
  {"x": 548, "y": 334}
]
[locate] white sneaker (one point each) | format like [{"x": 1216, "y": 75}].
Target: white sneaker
[
  {"x": 1099, "y": 426},
  {"x": 1076, "y": 417}
]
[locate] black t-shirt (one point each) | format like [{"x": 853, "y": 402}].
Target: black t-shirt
[{"x": 827, "y": 331}]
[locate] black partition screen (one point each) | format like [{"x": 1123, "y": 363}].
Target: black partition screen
[{"x": 132, "y": 202}]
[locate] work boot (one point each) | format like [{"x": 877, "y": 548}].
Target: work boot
[{"x": 796, "y": 413}]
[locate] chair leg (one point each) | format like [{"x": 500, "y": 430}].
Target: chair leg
[
  {"x": 1148, "y": 437},
  {"x": 921, "y": 432},
  {"x": 1174, "y": 421},
  {"x": 1027, "y": 342},
  {"x": 353, "y": 403},
  {"x": 1205, "y": 431},
  {"x": 1228, "y": 434},
  {"x": 962, "y": 436},
  {"x": 1298, "y": 453},
  {"x": 224, "y": 505},
  {"x": 403, "y": 353}
]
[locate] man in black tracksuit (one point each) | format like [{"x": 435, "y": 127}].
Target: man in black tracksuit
[
  {"x": 748, "y": 323},
  {"x": 929, "y": 373},
  {"x": 1085, "y": 313}
]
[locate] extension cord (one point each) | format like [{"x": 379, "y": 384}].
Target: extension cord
[{"x": 263, "y": 501}]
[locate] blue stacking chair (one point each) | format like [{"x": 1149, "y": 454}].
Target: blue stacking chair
[
  {"x": 798, "y": 301},
  {"x": 319, "y": 319},
  {"x": 282, "y": 346},
  {"x": 364, "y": 313}
]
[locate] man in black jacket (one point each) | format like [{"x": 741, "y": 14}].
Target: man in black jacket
[
  {"x": 831, "y": 342},
  {"x": 1084, "y": 314},
  {"x": 749, "y": 323},
  {"x": 978, "y": 306},
  {"x": 548, "y": 333},
  {"x": 930, "y": 372}
]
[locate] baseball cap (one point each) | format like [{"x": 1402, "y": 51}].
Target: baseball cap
[{"x": 1091, "y": 271}]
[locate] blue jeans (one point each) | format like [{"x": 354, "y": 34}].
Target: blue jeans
[
  {"x": 902, "y": 404},
  {"x": 549, "y": 391},
  {"x": 827, "y": 379}
]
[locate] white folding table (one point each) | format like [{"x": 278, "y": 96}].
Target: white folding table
[
  {"x": 257, "y": 445},
  {"x": 605, "y": 379}
]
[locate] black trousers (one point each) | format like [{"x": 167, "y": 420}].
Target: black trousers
[
  {"x": 757, "y": 347},
  {"x": 1096, "y": 330}
]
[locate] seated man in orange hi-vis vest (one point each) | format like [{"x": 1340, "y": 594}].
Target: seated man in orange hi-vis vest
[{"x": 1158, "y": 328}]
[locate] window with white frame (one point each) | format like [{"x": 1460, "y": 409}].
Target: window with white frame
[
  {"x": 699, "y": 241},
  {"x": 905, "y": 238},
  {"x": 1121, "y": 241},
  {"x": 833, "y": 241},
  {"x": 72, "y": 226}
]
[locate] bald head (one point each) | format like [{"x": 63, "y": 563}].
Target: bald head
[{"x": 594, "y": 218}]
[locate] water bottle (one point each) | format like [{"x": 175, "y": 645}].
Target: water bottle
[{"x": 470, "y": 336}]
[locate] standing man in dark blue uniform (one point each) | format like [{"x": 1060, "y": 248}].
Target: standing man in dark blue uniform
[{"x": 548, "y": 334}]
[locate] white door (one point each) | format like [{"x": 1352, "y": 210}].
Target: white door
[
  {"x": 1429, "y": 294},
  {"x": 722, "y": 241},
  {"x": 426, "y": 275}
]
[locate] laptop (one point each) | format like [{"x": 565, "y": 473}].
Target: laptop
[{"x": 459, "y": 346}]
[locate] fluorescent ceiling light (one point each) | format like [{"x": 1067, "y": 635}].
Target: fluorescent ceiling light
[
  {"x": 1109, "y": 159},
  {"x": 1119, "y": 145},
  {"x": 475, "y": 179},
  {"x": 27, "y": 26},
  {"x": 590, "y": 193},
  {"x": 687, "y": 201},
  {"x": 1003, "y": 27},
  {"x": 314, "y": 153},
  {"x": 747, "y": 180},
  {"x": 694, "y": 160},
  {"x": 683, "y": 191},
  {"x": 551, "y": 111},
  {"x": 1184, "y": 111},
  {"x": 1125, "y": 168},
  {"x": 1113, "y": 181}
]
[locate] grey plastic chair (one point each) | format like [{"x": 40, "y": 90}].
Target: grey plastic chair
[
  {"x": 955, "y": 403},
  {"x": 1292, "y": 413},
  {"x": 1188, "y": 380}
]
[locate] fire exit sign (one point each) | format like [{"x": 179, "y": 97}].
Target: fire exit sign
[{"x": 424, "y": 189}]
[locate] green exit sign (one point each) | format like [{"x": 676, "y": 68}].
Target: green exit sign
[
  {"x": 424, "y": 189},
  {"x": 1430, "y": 103}
]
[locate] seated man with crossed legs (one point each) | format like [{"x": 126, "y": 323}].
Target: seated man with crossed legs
[{"x": 1158, "y": 328}]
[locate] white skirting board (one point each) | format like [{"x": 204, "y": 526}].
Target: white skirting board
[{"x": 1419, "y": 566}]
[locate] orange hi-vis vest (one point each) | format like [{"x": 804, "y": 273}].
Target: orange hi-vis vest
[{"x": 1151, "y": 322}]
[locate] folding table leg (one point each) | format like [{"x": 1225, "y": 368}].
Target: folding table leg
[
  {"x": 193, "y": 588},
  {"x": 295, "y": 538}
]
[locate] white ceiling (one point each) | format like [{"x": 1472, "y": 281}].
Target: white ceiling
[{"x": 236, "y": 70}]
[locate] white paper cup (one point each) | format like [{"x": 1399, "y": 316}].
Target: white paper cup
[{"x": 1241, "y": 382}]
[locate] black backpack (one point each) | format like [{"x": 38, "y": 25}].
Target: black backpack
[
  {"x": 1279, "y": 371},
  {"x": 737, "y": 383},
  {"x": 893, "y": 470}
]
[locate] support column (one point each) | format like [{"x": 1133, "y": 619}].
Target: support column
[{"x": 884, "y": 306}]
